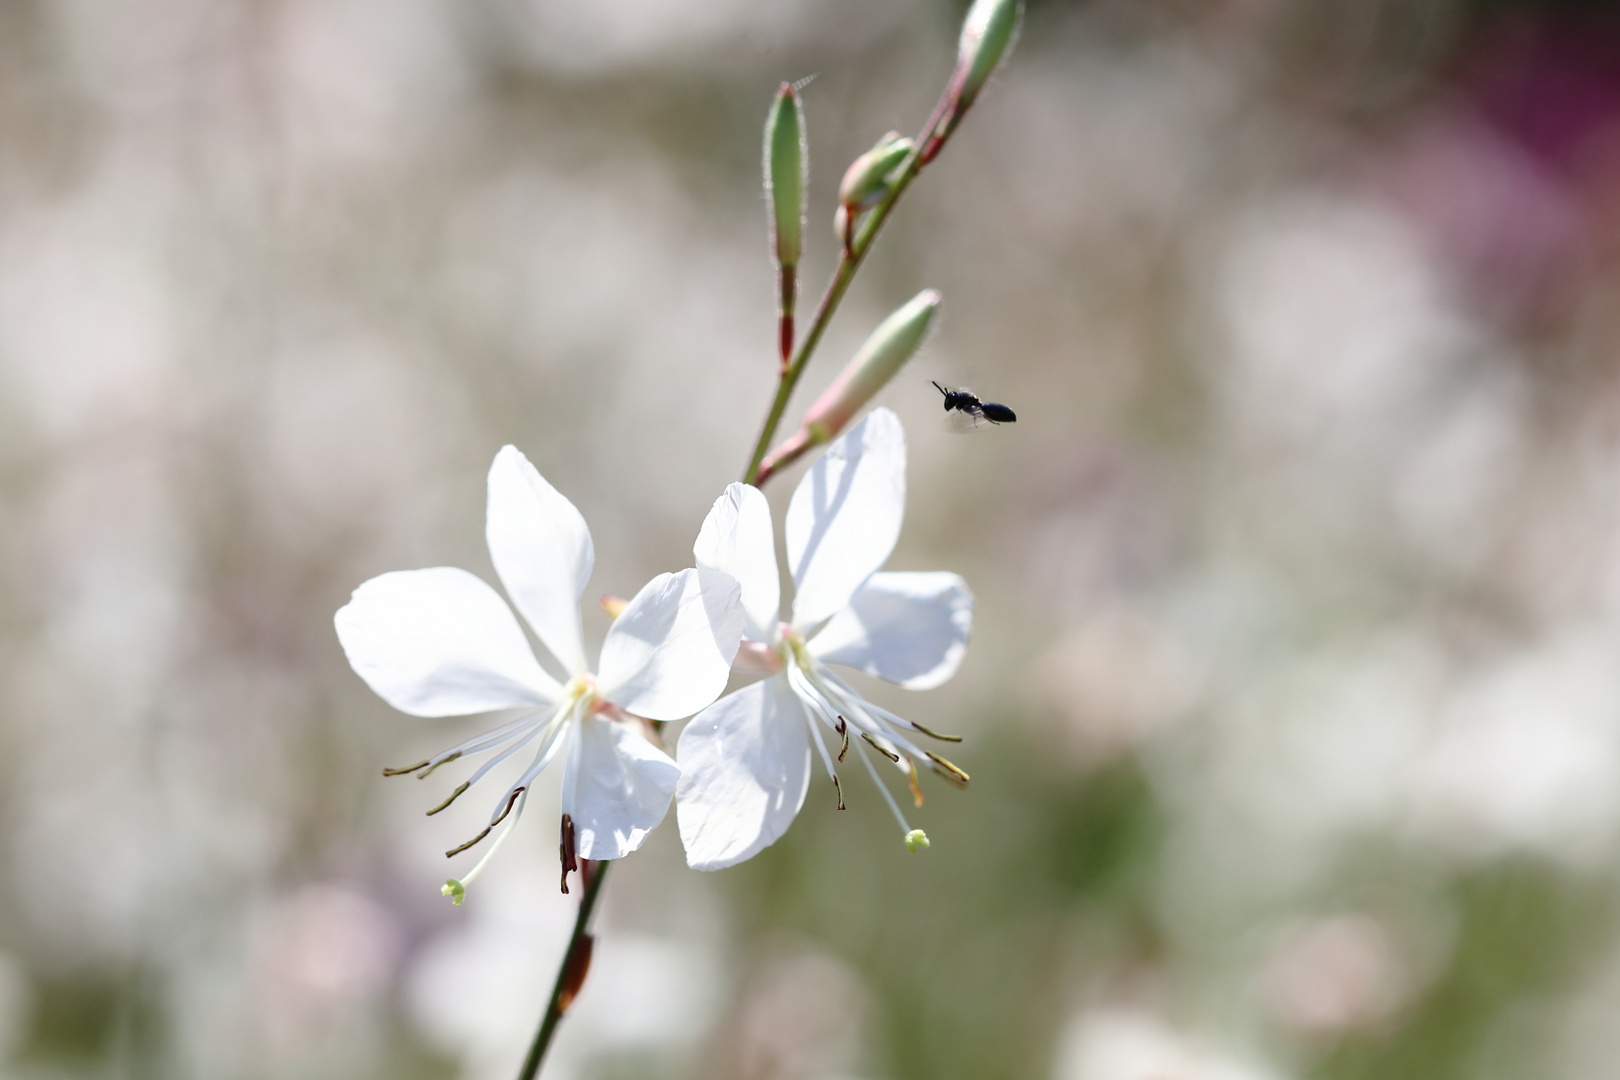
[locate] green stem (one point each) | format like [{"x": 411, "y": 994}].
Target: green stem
[
  {"x": 554, "y": 1008},
  {"x": 849, "y": 261}
]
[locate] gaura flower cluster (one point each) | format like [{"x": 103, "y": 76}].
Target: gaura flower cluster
[{"x": 441, "y": 642}]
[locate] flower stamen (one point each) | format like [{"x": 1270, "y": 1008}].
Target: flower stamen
[
  {"x": 407, "y": 769},
  {"x": 934, "y": 734},
  {"x": 425, "y": 773},
  {"x": 454, "y": 795},
  {"x": 885, "y": 752},
  {"x": 455, "y": 889},
  {"x": 948, "y": 770},
  {"x": 458, "y": 850}
]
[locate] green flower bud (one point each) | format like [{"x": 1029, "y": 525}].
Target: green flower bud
[
  {"x": 786, "y": 174},
  {"x": 987, "y": 34},
  {"x": 887, "y": 349},
  {"x": 916, "y": 840},
  {"x": 866, "y": 181}
]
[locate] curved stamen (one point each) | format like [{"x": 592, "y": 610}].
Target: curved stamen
[
  {"x": 948, "y": 770},
  {"x": 873, "y": 743},
  {"x": 542, "y": 757},
  {"x": 863, "y": 711},
  {"x": 898, "y": 721},
  {"x": 826, "y": 759},
  {"x": 454, "y": 795},
  {"x": 879, "y": 736},
  {"x": 456, "y": 888}
]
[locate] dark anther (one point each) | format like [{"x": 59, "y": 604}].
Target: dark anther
[
  {"x": 454, "y": 795},
  {"x": 568, "y": 848},
  {"x": 840, "y": 788},
  {"x": 891, "y": 756},
  {"x": 911, "y": 777},
  {"x": 429, "y": 771},
  {"x": 843, "y": 729},
  {"x": 511, "y": 800},
  {"x": 935, "y": 734},
  {"x": 948, "y": 771},
  {"x": 470, "y": 843},
  {"x": 408, "y": 769}
]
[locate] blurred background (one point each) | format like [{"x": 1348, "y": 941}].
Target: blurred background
[{"x": 1293, "y": 709}]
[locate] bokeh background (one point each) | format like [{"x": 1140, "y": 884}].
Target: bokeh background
[{"x": 1293, "y": 709}]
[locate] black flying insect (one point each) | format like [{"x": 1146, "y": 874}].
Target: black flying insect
[{"x": 971, "y": 407}]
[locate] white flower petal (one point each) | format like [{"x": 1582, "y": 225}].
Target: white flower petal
[
  {"x": 745, "y": 766},
  {"x": 737, "y": 538},
  {"x": 669, "y": 653},
  {"x": 845, "y": 516},
  {"x": 910, "y": 629},
  {"x": 542, "y": 551},
  {"x": 617, "y": 788},
  {"x": 440, "y": 642}
]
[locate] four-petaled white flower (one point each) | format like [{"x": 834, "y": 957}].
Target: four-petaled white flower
[
  {"x": 441, "y": 642},
  {"x": 745, "y": 760}
]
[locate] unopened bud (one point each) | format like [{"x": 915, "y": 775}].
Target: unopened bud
[
  {"x": 786, "y": 173},
  {"x": 455, "y": 890},
  {"x": 866, "y": 181},
  {"x": 887, "y": 349},
  {"x": 916, "y": 840},
  {"x": 987, "y": 33},
  {"x": 576, "y": 965}
]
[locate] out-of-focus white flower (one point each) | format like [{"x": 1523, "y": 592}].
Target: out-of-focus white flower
[
  {"x": 1126, "y": 1044},
  {"x": 1337, "y": 974},
  {"x": 440, "y": 642},
  {"x": 745, "y": 760},
  {"x": 1526, "y": 756}
]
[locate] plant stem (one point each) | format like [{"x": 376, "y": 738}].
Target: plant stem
[
  {"x": 556, "y": 1007},
  {"x": 849, "y": 261}
]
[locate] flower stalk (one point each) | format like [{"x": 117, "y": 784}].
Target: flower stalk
[
  {"x": 571, "y": 975},
  {"x": 987, "y": 35}
]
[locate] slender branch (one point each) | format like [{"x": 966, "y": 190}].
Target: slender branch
[
  {"x": 567, "y": 973},
  {"x": 849, "y": 261}
]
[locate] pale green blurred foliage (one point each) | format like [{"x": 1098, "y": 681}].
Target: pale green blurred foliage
[{"x": 1293, "y": 709}]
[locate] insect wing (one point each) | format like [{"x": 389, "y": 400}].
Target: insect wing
[{"x": 964, "y": 420}]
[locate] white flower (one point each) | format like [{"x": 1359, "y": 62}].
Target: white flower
[
  {"x": 745, "y": 761},
  {"x": 440, "y": 642}
]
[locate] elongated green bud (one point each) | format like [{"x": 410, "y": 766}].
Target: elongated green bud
[
  {"x": 885, "y": 352},
  {"x": 786, "y": 174},
  {"x": 987, "y": 33},
  {"x": 873, "y": 365},
  {"x": 866, "y": 180}
]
